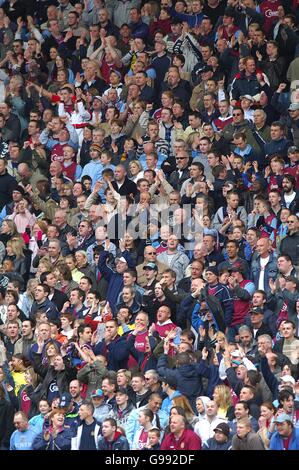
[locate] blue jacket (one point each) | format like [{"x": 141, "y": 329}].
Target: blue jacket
[
  {"x": 61, "y": 442},
  {"x": 216, "y": 311},
  {"x": 270, "y": 271},
  {"x": 277, "y": 146},
  {"x": 276, "y": 441},
  {"x": 188, "y": 378},
  {"x": 193, "y": 20},
  {"x": 212, "y": 444},
  {"x": 114, "y": 279},
  {"x": 210, "y": 372},
  {"x": 245, "y": 86},
  {"x": 139, "y": 30},
  {"x": 117, "y": 353},
  {"x": 48, "y": 307},
  {"x": 119, "y": 443}
]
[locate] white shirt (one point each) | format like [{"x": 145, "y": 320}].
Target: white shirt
[
  {"x": 205, "y": 429},
  {"x": 263, "y": 263},
  {"x": 289, "y": 198}
]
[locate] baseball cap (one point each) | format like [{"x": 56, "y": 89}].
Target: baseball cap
[
  {"x": 293, "y": 149},
  {"x": 171, "y": 381},
  {"x": 248, "y": 97},
  {"x": 287, "y": 378},
  {"x": 97, "y": 97},
  {"x": 293, "y": 107},
  {"x": 224, "y": 428},
  {"x": 151, "y": 266},
  {"x": 256, "y": 311},
  {"x": 121, "y": 259},
  {"x": 235, "y": 353},
  {"x": 212, "y": 269},
  {"x": 65, "y": 400},
  {"x": 282, "y": 418},
  {"x": 97, "y": 393}
]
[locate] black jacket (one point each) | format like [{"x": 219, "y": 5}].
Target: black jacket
[
  {"x": 290, "y": 246},
  {"x": 7, "y": 185},
  {"x": 58, "y": 299},
  {"x": 6, "y": 423},
  {"x": 176, "y": 180},
  {"x": 143, "y": 401},
  {"x": 48, "y": 374},
  {"x": 127, "y": 187}
]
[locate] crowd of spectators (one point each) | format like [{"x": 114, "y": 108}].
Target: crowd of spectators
[{"x": 149, "y": 225}]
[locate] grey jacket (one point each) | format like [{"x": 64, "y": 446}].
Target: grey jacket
[{"x": 178, "y": 263}]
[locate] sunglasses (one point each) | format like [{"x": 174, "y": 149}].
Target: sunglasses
[
  {"x": 237, "y": 114},
  {"x": 181, "y": 158}
]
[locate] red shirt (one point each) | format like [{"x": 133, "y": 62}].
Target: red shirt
[
  {"x": 270, "y": 13},
  {"x": 188, "y": 441}
]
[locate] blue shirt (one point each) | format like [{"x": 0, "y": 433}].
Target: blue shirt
[
  {"x": 36, "y": 423},
  {"x": 22, "y": 440}
]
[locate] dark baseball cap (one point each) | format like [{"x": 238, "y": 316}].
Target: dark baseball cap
[
  {"x": 224, "y": 428},
  {"x": 256, "y": 311}
]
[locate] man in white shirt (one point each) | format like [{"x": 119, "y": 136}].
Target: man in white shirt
[{"x": 205, "y": 427}]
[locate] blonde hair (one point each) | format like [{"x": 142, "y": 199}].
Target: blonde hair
[
  {"x": 42, "y": 225},
  {"x": 12, "y": 227},
  {"x": 135, "y": 162},
  {"x": 17, "y": 245},
  {"x": 191, "y": 137},
  {"x": 127, "y": 373},
  {"x": 224, "y": 400}
]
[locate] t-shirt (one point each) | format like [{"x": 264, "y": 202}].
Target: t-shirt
[
  {"x": 289, "y": 199},
  {"x": 22, "y": 440},
  {"x": 263, "y": 263},
  {"x": 25, "y": 402},
  {"x": 53, "y": 391},
  {"x": 87, "y": 438},
  {"x": 142, "y": 439}
]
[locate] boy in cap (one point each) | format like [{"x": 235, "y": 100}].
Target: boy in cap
[
  {"x": 220, "y": 440},
  {"x": 101, "y": 409}
]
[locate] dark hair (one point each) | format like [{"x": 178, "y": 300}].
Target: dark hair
[
  {"x": 190, "y": 335},
  {"x": 111, "y": 421},
  {"x": 81, "y": 328},
  {"x": 80, "y": 291},
  {"x": 285, "y": 394},
  {"x": 180, "y": 57}
]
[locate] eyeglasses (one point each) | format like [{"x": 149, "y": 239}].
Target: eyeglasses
[
  {"x": 147, "y": 378},
  {"x": 237, "y": 114},
  {"x": 291, "y": 221},
  {"x": 181, "y": 158},
  {"x": 151, "y": 253}
]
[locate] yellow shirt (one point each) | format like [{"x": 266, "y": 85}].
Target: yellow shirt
[{"x": 19, "y": 380}]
